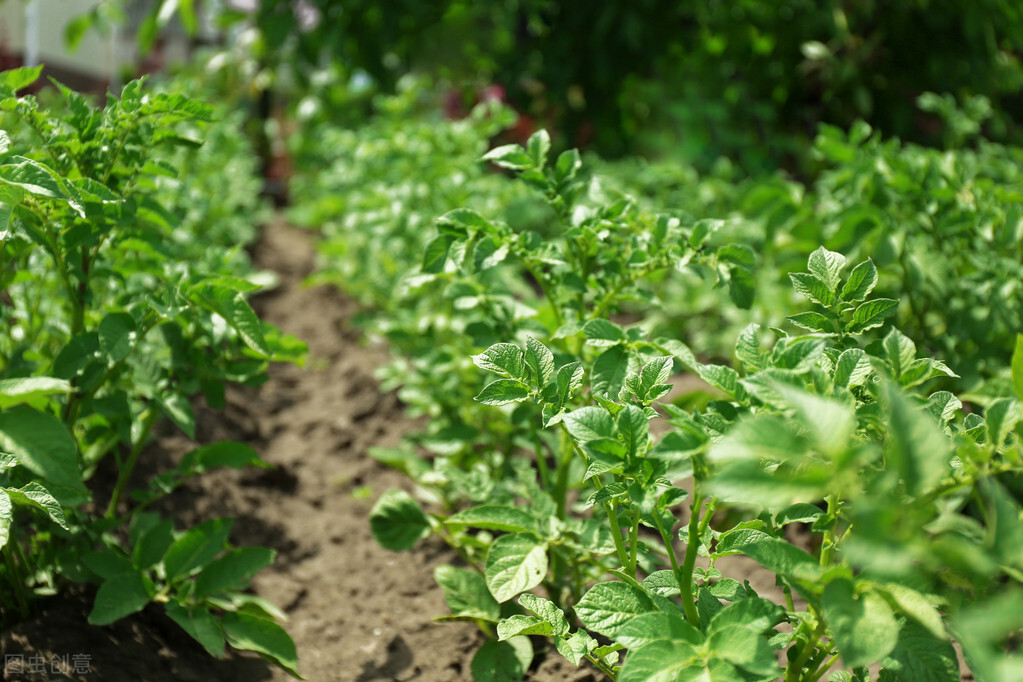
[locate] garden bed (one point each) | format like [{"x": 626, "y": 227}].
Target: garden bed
[{"x": 358, "y": 612}]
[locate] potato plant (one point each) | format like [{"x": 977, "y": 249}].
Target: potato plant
[
  {"x": 115, "y": 315},
  {"x": 590, "y": 506}
]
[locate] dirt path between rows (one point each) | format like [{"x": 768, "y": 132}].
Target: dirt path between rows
[{"x": 358, "y": 613}]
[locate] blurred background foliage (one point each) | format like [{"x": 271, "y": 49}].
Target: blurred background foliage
[{"x": 749, "y": 80}]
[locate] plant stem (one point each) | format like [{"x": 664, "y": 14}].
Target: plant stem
[
  {"x": 794, "y": 672},
  {"x": 828, "y": 544},
  {"x": 603, "y": 667},
  {"x": 541, "y": 459},
  {"x": 666, "y": 539},
  {"x": 17, "y": 582},
  {"x": 685, "y": 582},
  {"x": 825, "y": 668},
  {"x": 148, "y": 420},
  {"x": 634, "y": 541},
  {"x": 561, "y": 485},
  {"x": 616, "y": 531}
]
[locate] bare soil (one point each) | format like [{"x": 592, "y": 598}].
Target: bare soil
[{"x": 358, "y": 613}]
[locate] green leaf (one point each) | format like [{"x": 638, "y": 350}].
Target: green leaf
[
  {"x": 494, "y": 517},
  {"x": 75, "y": 355},
  {"x": 798, "y": 513},
  {"x": 590, "y": 423},
  {"x": 813, "y": 321},
  {"x": 436, "y": 253},
  {"x": 540, "y": 359},
  {"x": 37, "y": 496},
  {"x": 6, "y": 517},
  {"x": 871, "y": 314},
  {"x": 656, "y": 626},
  {"x": 461, "y": 222},
  {"x": 505, "y": 661},
  {"x": 153, "y": 545},
  {"x": 607, "y": 493},
  {"x": 741, "y": 286},
  {"x": 29, "y": 389},
  {"x": 515, "y": 564},
  {"x": 663, "y": 583},
  {"x": 121, "y": 596},
  {"x": 607, "y": 607},
  {"x": 397, "y": 521},
  {"x": 813, "y": 287},
  {"x": 232, "y": 306},
  {"x": 917, "y": 448},
  {"x": 225, "y": 453},
  {"x": 40, "y": 180},
  {"x": 569, "y": 379},
  {"x": 943, "y": 406},
  {"x": 1001, "y": 418},
  {"x": 538, "y": 145},
  {"x": 864, "y": 626},
  {"x": 250, "y": 633},
  {"x": 546, "y": 611},
  {"x": 510, "y": 156},
  {"x": 116, "y": 332},
  {"x": 233, "y": 571},
  {"x": 505, "y": 359},
  {"x": 829, "y": 423},
  {"x": 728, "y": 589},
  {"x": 1017, "y": 367},
  {"x": 604, "y": 333},
  {"x": 852, "y": 368},
  {"x": 744, "y": 647},
  {"x": 723, "y": 378},
  {"x": 747, "y": 349},
  {"x": 921, "y": 657},
  {"x": 861, "y": 282},
  {"x": 523, "y": 625},
  {"x": 772, "y": 553},
  {"x": 567, "y": 166},
  {"x": 43, "y": 446},
  {"x": 576, "y": 647},
  {"x": 827, "y": 265},
  {"x": 196, "y": 548},
  {"x": 759, "y": 614},
  {"x": 76, "y": 28},
  {"x": 674, "y": 661},
  {"x": 916, "y": 606},
  {"x": 634, "y": 429},
  {"x": 502, "y": 392},
  {"x": 899, "y": 350},
  {"x": 108, "y": 564},
  {"x": 201, "y": 625},
  {"x": 466, "y": 593},
  {"x": 21, "y": 77},
  {"x": 179, "y": 409},
  {"x": 655, "y": 373}
]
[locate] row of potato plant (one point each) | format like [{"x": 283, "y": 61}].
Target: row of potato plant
[
  {"x": 123, "y": 297},
  {"x": 590, "y": 504},
  {"x": 942, "y": 225}
]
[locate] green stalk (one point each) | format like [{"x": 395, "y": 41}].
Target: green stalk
[
  {"x": 148, "y": 421},
  {"x": 794, "y": 672},
  {"x": 17, "y": 582},
  {"x": 689, "y": 563},
  {"x": 634, "y": 541},
  {"x": 828, "y": 545},
  {"x": 616, "y": 531},
  {"x": 541, "y": 460},
  {"x": 561, "y": 485},
  {"x": 603, "y": 667},
  {"x": 827, "y": 666},
  {"x": 666, "y": 539}
]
